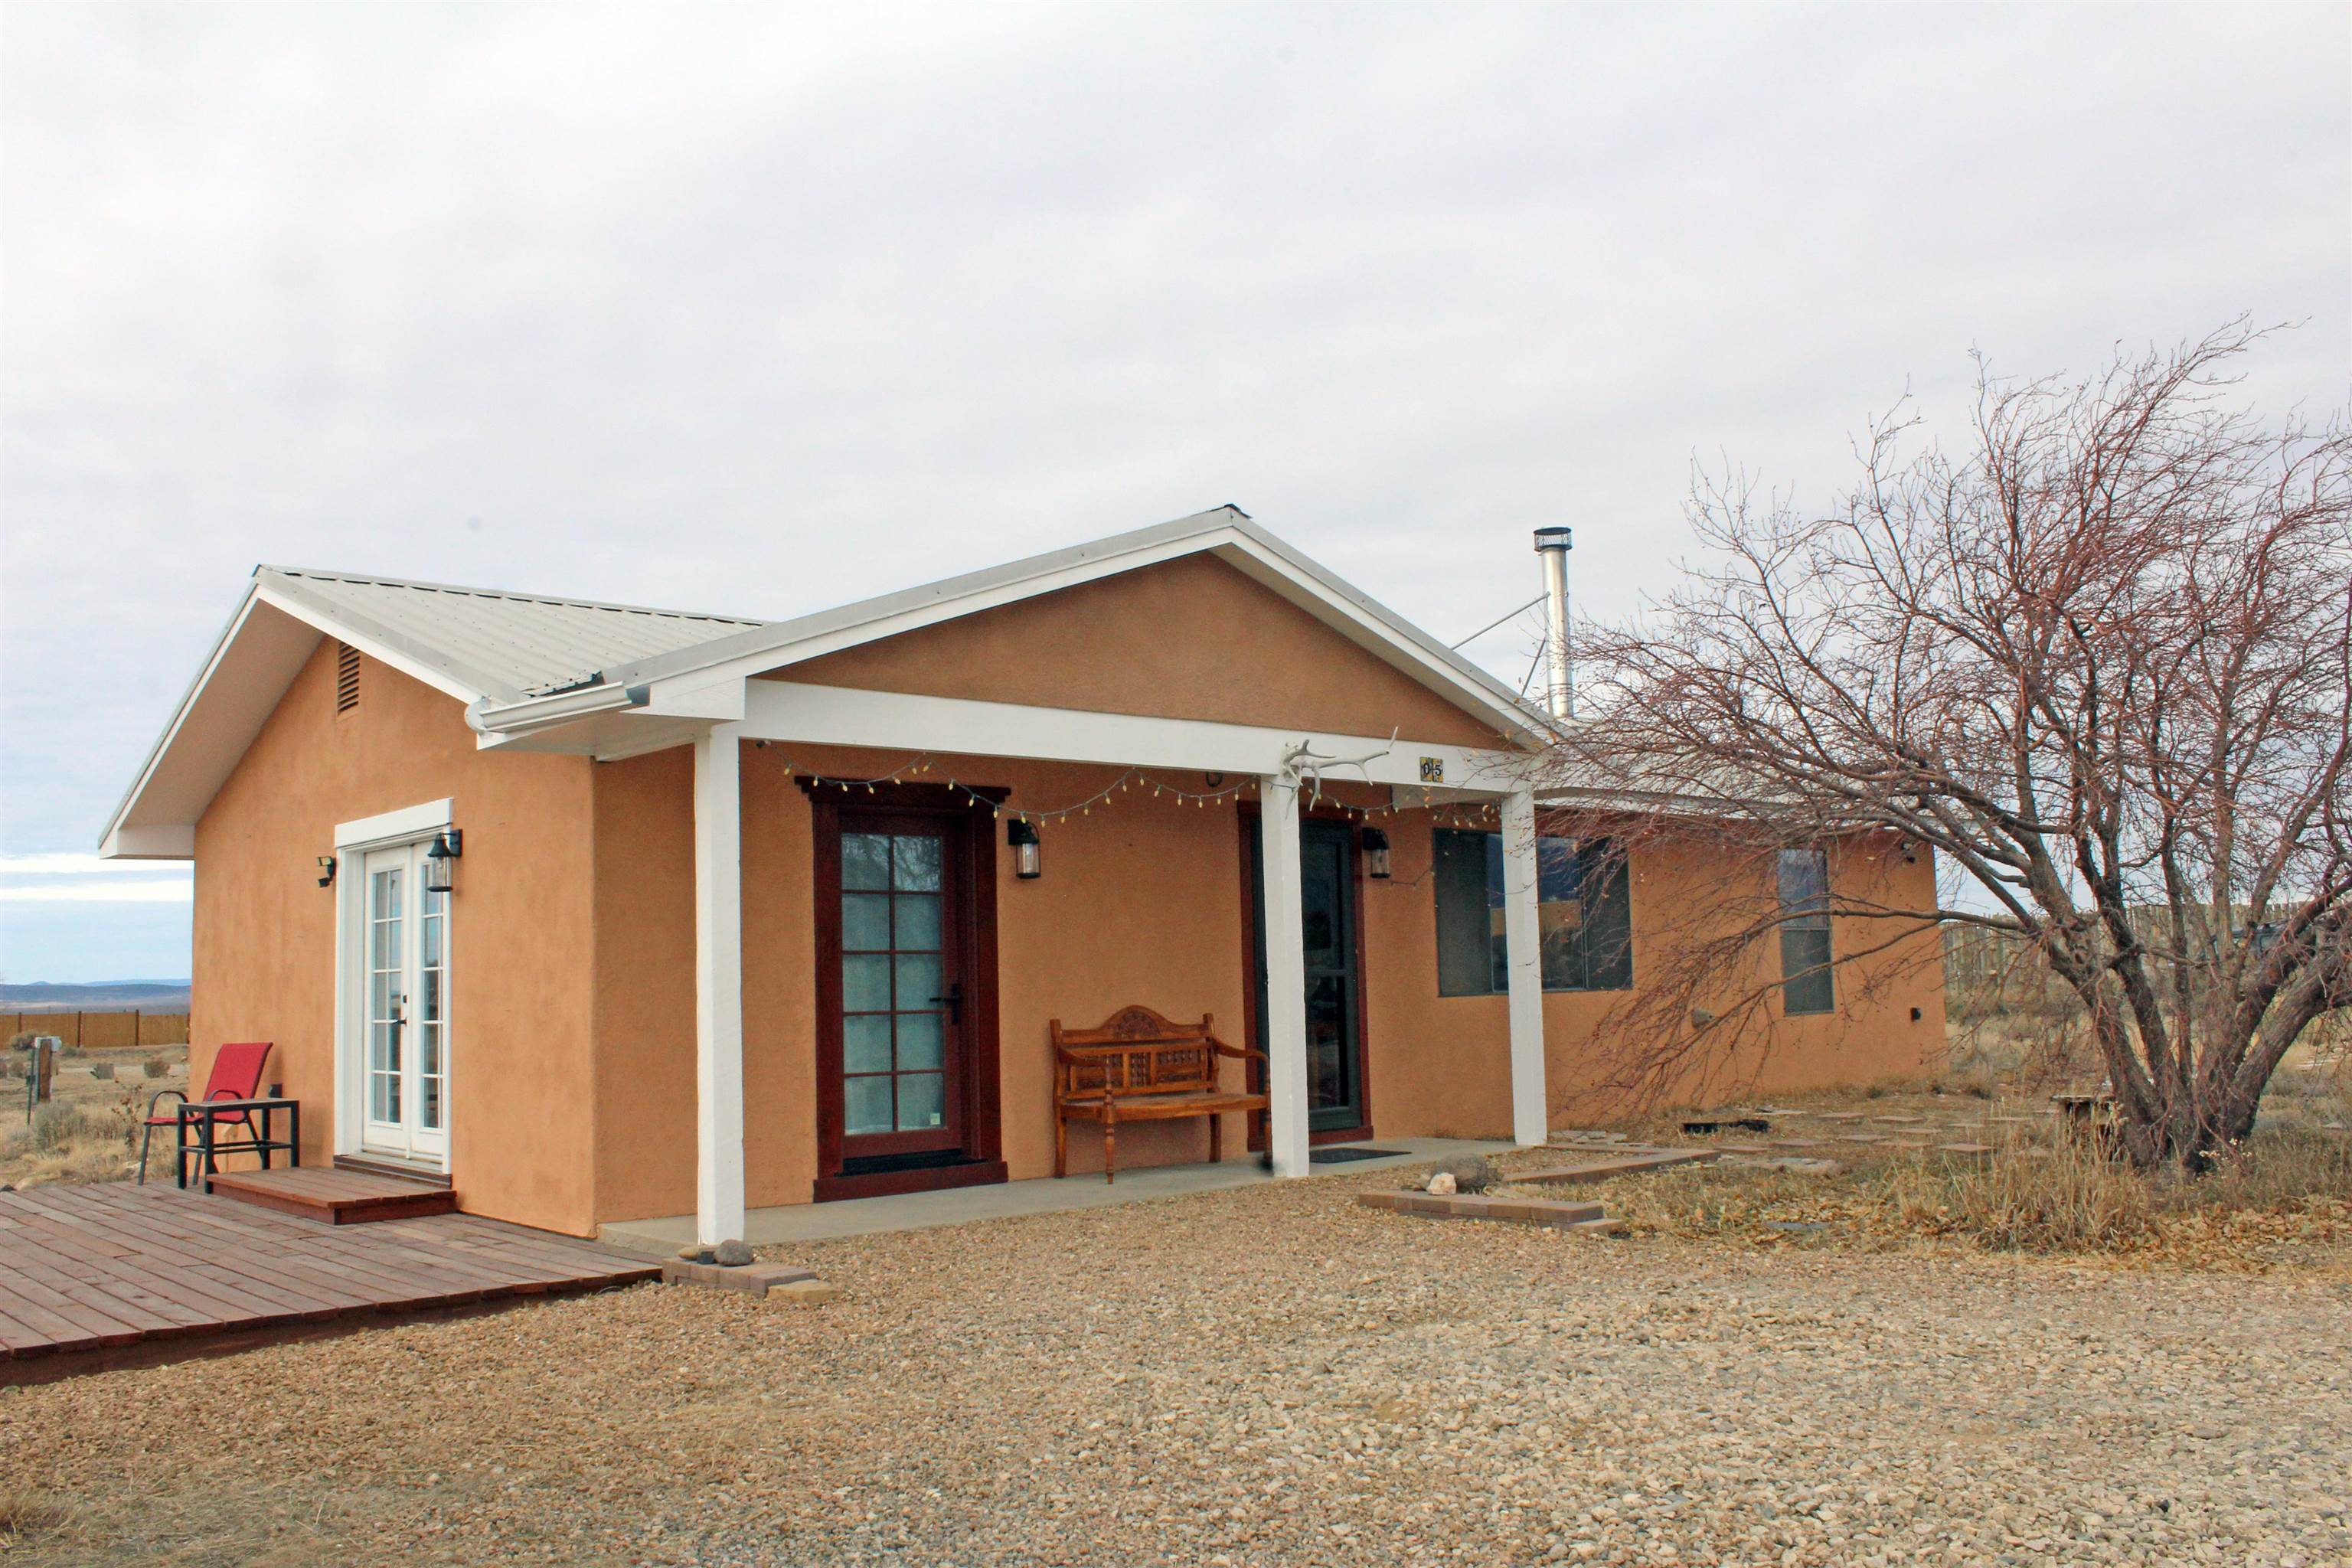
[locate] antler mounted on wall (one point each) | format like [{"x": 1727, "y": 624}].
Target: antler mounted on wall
[{"x": 1303, "y": 763}]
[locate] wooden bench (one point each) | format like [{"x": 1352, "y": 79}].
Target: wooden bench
[{"x": 1139, "y": 1067}]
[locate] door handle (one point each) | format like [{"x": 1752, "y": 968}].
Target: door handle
[{"x": 953, "y": 1000}]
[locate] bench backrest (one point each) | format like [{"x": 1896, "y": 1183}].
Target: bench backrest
[{"x": 1135, "y": 1051}]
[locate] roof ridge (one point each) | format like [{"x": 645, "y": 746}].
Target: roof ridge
[{"x": 377, "y": 580}]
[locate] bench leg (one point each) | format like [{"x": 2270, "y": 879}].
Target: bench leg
[
  {"x": 1111, "y": 1151},
  {"x": 1061, "y": 1146},
  {"x": 1216, "y": 1139}
]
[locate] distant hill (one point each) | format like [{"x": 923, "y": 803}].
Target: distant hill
[{"x": 98, "y": 997}]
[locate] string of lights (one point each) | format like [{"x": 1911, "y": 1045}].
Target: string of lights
[{"x": 1452, "y": 814}]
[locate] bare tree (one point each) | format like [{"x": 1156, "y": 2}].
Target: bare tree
[{"x": 2099, "y": 663}]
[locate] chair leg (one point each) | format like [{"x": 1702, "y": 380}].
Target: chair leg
[{"x": 146, "y": 1136}]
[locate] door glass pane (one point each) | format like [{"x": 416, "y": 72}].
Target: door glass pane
[
  {"x": 865, "y": 922},
  {"x": 1327, "y": 1043},
  {"x": 428, "y": 1082},
  {"x": 915, "y": 858},
  {"x": 918, "y": 922},
  {"x": 865, "y": 983},
  {"x": 866, "y": 1105},
  {"x": 865, "y": 860},
  {"x": 919, "y": 979},
  {"x": 921, "y": 1042},
  {"x": 380, "y": 1103},
  {"x": 922, "y": 1100},
  {"x": 865, "y": 1043}
]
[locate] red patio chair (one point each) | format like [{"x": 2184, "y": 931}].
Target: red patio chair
[{"x": 235, "y": 1075}]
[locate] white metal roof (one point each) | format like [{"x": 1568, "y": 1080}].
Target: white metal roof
[{"x": 497, "y": 644}]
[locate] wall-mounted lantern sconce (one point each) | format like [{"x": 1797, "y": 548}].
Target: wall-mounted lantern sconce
[
  {"x": 1376, "y": 854},
  {"x": 440, "y": 861},
  {"x": 1028, "y": 854},
  {"x": 326, "y": 871}
]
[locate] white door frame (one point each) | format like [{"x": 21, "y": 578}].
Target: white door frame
[{"x": 391, "y": 830}]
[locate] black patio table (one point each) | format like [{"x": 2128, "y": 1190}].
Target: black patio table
[{"x": 202, "y": 1115}]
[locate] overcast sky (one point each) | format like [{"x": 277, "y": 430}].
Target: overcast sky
[{"x": 757, "y": 310}]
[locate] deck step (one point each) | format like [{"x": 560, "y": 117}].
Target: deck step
[
  {"x": 336, "y": 1196},
  {"x": 398, "y": 1170}
]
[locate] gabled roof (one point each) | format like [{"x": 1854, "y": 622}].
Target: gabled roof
[
  {"x": 522, "y": 662},
  {"x": 1225, "y": 531}
]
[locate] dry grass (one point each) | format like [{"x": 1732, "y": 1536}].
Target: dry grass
[
  {"x": 2284, "y": 1200},
  {"x": 90, "y": 1130},
  {"x": 25, "y": 1516}
]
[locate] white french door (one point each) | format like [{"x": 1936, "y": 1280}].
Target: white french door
[{"x": 404, "y": 1077}]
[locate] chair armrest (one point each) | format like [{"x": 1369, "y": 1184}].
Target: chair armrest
[{"x": 156, "y": 1099}]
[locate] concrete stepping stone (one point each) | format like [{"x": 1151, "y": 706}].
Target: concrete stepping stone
[
  {"x": 1554, "y": 1213},
  {"x": 1631, "y": 1161}
]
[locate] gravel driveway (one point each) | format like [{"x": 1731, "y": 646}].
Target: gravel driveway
[{"x": 1266, "y": 1377}]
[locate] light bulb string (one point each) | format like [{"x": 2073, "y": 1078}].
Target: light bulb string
[{"x": 923, "y": 763}]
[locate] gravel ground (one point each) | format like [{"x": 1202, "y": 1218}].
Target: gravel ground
[{"x": 1270, "y": 1377}]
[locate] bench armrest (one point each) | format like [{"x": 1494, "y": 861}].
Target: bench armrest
[{"x": 1224, "y": 1049}]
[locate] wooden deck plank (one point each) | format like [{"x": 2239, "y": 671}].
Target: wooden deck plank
[
  {"x": 236, "y": 1257},
  {"x": 92, "y": 1275}
]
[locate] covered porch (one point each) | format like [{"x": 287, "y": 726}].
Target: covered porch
[{"x": 1284, "y": 770}]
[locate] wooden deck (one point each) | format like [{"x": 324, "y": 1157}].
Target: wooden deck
[
  {"x": 97, "y": 1277},
  {"x": 334, "y": 1195}
]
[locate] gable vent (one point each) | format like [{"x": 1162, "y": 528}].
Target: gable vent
[{"x": 346, "y": 677}]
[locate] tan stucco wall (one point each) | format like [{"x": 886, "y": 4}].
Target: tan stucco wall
[
  {"x": 1140, "y": 902},
  {"x": 1448, "y": 1055},
  {"x": 1189, "y": 638},
  {"x": 264, "y": 958}
]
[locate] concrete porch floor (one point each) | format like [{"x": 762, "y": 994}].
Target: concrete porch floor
[{"x": 1045, "y": 1194}]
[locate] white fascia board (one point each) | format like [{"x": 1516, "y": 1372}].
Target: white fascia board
[
  {"x": 171, "y": 841},
  {"x": 695, "y": 697},
  {"x": 372, "y": 639},
  {"x": 409, "y": 823},
  {"x": 787, "y": 712}
]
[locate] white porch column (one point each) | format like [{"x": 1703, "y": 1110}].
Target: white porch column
[
  {"x": 1522, "y": 940},
  {"x": 717, "y": 986},
  {"x": 1285, "y": 977}
]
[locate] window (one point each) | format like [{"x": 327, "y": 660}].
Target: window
[
  {"x": 1804, "y": 875},
  {"x": 1583, "y": 915}
]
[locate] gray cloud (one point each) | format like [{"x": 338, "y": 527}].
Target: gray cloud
[{"x": 759, "y": 309}]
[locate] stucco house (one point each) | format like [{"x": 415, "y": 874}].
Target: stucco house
[{"x": 743, "y": 914}]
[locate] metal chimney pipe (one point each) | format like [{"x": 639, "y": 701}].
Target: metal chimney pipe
[{"x": 1553, "y": 545}]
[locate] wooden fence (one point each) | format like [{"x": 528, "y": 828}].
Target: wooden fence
[{"x": 101, "y": 1031}]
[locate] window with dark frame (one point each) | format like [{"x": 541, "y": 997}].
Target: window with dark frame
[
  {"x": 1583, "y": 914},
  {"x": 1806, "y": 985}
]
